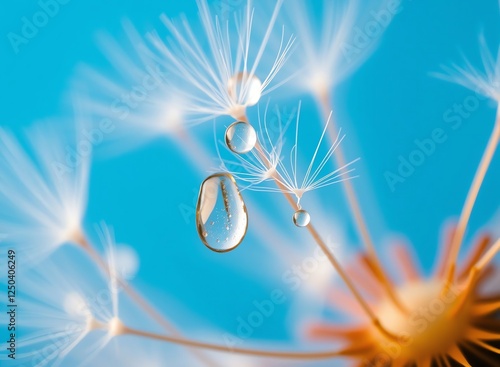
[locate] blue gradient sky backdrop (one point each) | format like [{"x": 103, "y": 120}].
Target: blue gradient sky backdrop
[{"x": 386, "y": 105}]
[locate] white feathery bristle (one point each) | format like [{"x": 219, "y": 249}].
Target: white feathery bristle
[
  {"x": 43, "y": 188},
  {"x": 224, "y": 71},
  {"x": 259, "y": 169},
  {"x": 485, "y": 81}
]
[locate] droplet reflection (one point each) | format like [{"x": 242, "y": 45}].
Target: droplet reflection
[
  {"x": 301, "y": 218},
  {"x": 245, "y": 89},
  {"x": 241, "y": 137},
  {"x": 221, "y": 215}
]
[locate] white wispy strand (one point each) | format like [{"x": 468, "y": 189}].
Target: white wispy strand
[
  {"x": 259, "y": 169},
  {"x": 43, "y": 196},
  {"x": 328, "y": 48},
  {"x": 485, "y": 81},
  {"x": 228, "y": 76},
  {"x": 322, "y": 58},
  {"x": 139, "y": 100},
  {"x": 69, "y": 308}
]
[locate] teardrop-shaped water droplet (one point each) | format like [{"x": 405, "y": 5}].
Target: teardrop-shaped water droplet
[
  {"x": 244, "y": 89},
  {"x": 221, "y": 203},
  {"x": 241, "y": 137},
  {"x": 301, "y": 218}
]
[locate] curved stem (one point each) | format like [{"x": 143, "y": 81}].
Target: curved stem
[
  {"x": 333, "y": 260},
  {"x": 243, "y": 351},
  {"x": 137, "y": 298},
  {"x": 475, "y": 273},
  {"x": 471, "y": 200},
  {"x": 355, "y": 208}
]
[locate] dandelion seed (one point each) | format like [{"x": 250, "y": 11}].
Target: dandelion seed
[
  {"x": 327, "y": 52},
  {"x": 68, "y": 307},
  {"x": 140, "y": 99},
  {"x": 262, "y": 168},
  {"x": 43, "y": 188},
  {"x": 485, "y": 82},
  {"x": 230, "y": 75}
]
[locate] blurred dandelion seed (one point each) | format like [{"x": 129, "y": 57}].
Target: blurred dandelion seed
[
  {"x": 44, "y": 189},
  {"x": 485, "y": 82},
  {"x": 76, "y": 306},
  {"x": 322, "y": 61}
]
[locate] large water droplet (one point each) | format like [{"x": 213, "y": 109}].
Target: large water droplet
[
  {"x": 221, "y": 214},
  {"x": 244, "y": 89},
  {"x": 301, "y": 218},
  {"x": 241, "y": 137}
]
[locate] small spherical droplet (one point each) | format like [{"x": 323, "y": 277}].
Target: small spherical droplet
[
  {"x": 245, "y": 89},
  {"x": 241, "y": 137},
  {"x": 301, "y": 218}
]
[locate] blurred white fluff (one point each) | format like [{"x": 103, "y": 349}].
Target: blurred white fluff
[
  {"x": 43, "y": 188},
  {"x": 127, "y": 262},
  {"x": 485, "y": 82},
  {"x": 331, "y": 48},
  {"x": 68, "y": 308},
  {"x": 137, "y": 96},
  {"x": 227, "y": 71}
]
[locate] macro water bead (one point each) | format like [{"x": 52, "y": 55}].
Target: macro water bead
[
  {"x": 244, "y": 89},
  {"x": 301, "y": 218},
  {"x": 221, "y": 214},
  {"x": 241, "y": 137}
]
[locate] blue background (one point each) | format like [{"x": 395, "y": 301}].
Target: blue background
[{"x": 387, "y": 104}]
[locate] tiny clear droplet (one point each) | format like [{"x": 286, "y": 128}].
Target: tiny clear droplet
[
  {"x": 241, "y": 137},
  {"x": 245, "y": 89},
  {"x": 221, "y": 203},
  {"x": 301, "y": 218}
]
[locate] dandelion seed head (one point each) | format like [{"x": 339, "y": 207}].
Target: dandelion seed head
[
  {"x": 439, "y": 335},
  {"x": 437, "y": 321}
]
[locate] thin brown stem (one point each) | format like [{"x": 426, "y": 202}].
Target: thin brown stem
[
  {"x": 471, "y": 200},
  {"x": 475, "y": 274},
  {"x": 138, "y": 298},
  {"x": 333, "y": 260},
  {"x": 355, "y": 208},
  {"x": 488, "y": 257},
  {"x": 243, "y": 351}
]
